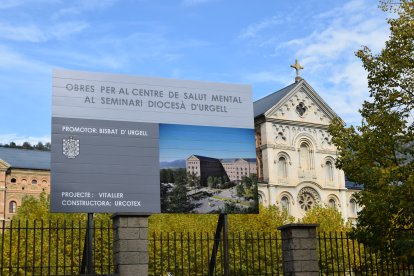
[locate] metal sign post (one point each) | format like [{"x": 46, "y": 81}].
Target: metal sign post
[
  {"x": 222, "y": 225},
  {"x": 87, "y": 259}
]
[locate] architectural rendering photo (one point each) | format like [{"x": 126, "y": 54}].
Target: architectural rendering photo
[{"x": 207, "y": 170}]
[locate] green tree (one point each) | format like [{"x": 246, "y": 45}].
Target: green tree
[
  {"x": 178, "y": 201},
  {"x": 193, "y": 180},
  {"x": 34, "y": 222},
  {"x": 219, "y": 182},
  {"x": 48, "y": 146},
  {"x": 164, "y": 197},
  {"x": 27, "y": 145},
  {"x": 163, "y": 176},
  {"x": 380, "y": 153},
  {"x": 240, "y": 190},
  {"x": 328, "y": 218},
  {"x": 40, "y": 146},
  {"x": 210, "y": 181}
]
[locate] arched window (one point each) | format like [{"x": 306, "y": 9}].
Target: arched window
[
  {"x": 34, "y": 181},
  {"x": 12, "y": 207},
  {"x": 13, "y": 180},
  {"x": 285, "y": 203},
  {"x": 353, "y": 207},
  {"x": 304, "y": 155},
  {"x": 332, "y": 203},
  {"x": 282, "y": 170},
  {"x": 329, "y": 171}
]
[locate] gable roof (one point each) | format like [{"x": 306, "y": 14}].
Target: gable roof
[
  {"x": 205, "y": 158},
  {"x": 264, "y": 104},
  {"x": 276, "y": 99},
  {"x": 232, "y": 160},
  {"x": 26, "y": 159}
]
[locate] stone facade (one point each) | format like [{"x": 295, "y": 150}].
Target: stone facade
[
  {"x": 131, "y": 244},
  {"x": 295, "y": 156},
  {"x": 236, "y": 169}
]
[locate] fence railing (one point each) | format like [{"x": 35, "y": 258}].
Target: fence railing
[
  {"x": 189, "y": 254},
  {"x": 341, "y": 255},
  {"x": 56, "y": 248},
  {"x": 53, "y": 248}
]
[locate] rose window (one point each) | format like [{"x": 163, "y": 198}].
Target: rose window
[
  {"x": 306, "y": 201},
  {"x": 308, "y": 198}
]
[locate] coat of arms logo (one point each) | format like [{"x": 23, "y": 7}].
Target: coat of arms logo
[{"x": 70, "y": 147}]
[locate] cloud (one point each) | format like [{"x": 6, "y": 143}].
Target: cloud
[
  {"x": 33, "y": 33},
  {"x": 12, "y": 60},
  {"x": 252, "y": 30},
  {"x": 347, "y": 90},
  {"x": 8, "y": 4},
  {"x": 266, "y": 76},
  {"x": 337, "y": 39},
  {"x": 81, "y": 6},
  {"x": 20, "y": 139},
  {"x": 327, "y": 53},
  {"x": 65, "y": 29},
  {"x": 29, "y": 33}
]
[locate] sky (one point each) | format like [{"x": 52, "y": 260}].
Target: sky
[
  {"x": 232, "y": 41},
  {"x": 179, "y": 142}
]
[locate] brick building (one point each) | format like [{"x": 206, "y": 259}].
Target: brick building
[{"x": 22, "y": 172}]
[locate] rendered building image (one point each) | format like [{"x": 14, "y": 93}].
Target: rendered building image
[
  {"x": 204, "y": 167},
  {"x": 237, "y": 168},
  {"x": 233, "y": 169}
]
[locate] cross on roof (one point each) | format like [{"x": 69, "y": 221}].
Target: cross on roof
[{"x": 297, "y": 67}]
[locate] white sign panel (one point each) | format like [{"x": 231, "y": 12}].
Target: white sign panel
[{"x": 154, "y": 100}]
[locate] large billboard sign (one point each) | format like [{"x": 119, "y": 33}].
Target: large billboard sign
[{"x": 145, "y": 145}]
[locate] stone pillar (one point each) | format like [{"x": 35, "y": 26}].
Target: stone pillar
[
  {"x": 130, "y": 244},
  {"x": 299, "y": 249}
]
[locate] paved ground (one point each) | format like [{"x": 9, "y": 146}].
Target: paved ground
[{"x": 217, "y": 200}]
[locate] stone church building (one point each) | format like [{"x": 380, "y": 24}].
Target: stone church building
[{"x": 296, "y": 161}]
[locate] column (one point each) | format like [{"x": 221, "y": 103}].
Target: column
[
  {"x": 130, "y": 244},
  {"x": 299, "y": 249}
]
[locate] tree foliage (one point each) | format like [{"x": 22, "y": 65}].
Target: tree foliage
[
  {"x": 37, "y": 237},
  {"x": 328, "y": 218},
  {"x": 380, "y": 153},
  {"x": 26, "y": 145},
  {"x": 268, "y": 219}
]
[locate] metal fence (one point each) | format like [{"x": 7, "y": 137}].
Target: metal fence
[
  {"x": 53, "y": 248},
  {"x": 57, "y": 248},
  {"x": 341, "y": 255},
  {"x": 189, "y": 254}
]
